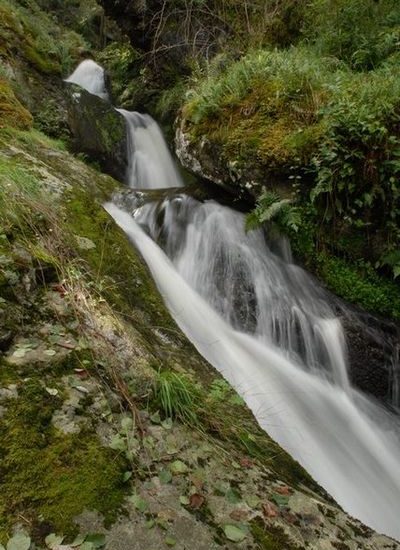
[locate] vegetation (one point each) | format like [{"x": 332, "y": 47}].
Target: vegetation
[{"x": 317, "y": 122}]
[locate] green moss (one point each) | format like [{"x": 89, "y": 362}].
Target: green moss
[
  {"x": 12, "y": 113},
  {"x": 120, "y": 274},
  {"x": 360, "y": 285},
  {"x": 49, "y": 477}
]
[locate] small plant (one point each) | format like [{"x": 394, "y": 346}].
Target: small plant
[
  {"x": 273, "y": 210},
  {"x": 177, "y": 397}
]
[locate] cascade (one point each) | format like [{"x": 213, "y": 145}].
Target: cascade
[
  {"x": 150, "y": 165},
  {"x": 90, "y": 76},
  {"x": 266, "y": 325}
]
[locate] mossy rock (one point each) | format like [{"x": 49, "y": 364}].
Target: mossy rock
[
  {"x": 98, "y": 130},
  {"x": 50, "y": 477},
  {"x": 12, "y": 112}
]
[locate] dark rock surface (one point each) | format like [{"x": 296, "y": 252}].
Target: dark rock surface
[{"x": 98, "y": 130}]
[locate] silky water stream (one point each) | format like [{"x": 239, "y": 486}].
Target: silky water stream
[{"x": 267, "y": 326}]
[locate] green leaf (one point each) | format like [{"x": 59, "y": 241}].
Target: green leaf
[
  {"x": 280, "y": 500},
  {"x": 19, "y": 542},
  {"x": 234, "y": 533},
  {"x": 150, "y": 524},
  {"x": 165, "y": 476},
  {"x": 118, "y": 443},
  {"x": 49, "y": 352},
  {"x": 79, "y": 539},
  {"x": 20, "y": 352},
  {"x": 127, "y": 423},
  {"x": 179, "y": 467},
  {"x": 233, "y": 496},
  {"x": 87, "y": 546},
  {"x": 139, "y": 503},
  {"x": 184, "y": 500},
  {"x": 170, "y": 541},
  {"x": 253, "y": 501},
  {"x": 97, "y": 539},
  {"x": 155, "y": 418},
  {"x": 53, "y": 540},
  {"x": 126, "y": 476}
]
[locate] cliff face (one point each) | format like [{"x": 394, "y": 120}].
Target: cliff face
[{"x": 111, "y": 423}]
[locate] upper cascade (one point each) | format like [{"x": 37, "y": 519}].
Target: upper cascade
[
  {"x": 90, "y": 76},
  {"x": 150, "y": 164}
]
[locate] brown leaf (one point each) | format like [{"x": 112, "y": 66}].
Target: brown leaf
[
  {"x": 239, "y": 515},
  {"x": 246, "y": 463},
  {"x": 197, "y": 482},
  {"x": 196, "y": 501},
  {"x": 270, "y": 510},
  {"x": 285, "y": 490}
]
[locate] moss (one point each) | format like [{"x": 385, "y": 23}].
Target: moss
[
  {"x": 268, "y": 537},
  {"x": 49, "y": 477},
  {"x": 120, "y": 274},
  {"x": 12, "y": 113},
  {"x": 360, "y": 285}
]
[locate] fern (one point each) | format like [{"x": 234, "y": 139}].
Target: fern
[{"x": 275, "y": 211}]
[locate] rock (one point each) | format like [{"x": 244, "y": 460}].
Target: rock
[
  {"x": 98, "y": 130},
  {"x": 371, "y": 346}
]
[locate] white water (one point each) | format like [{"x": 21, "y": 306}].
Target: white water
[
  {"x": 90, "y": 76},
  {"x": 347, "y": 443},
  {"x": 265, "y": 325},
  {"x": 150, "y": 165},
  {"x": 252, "y": 288}
]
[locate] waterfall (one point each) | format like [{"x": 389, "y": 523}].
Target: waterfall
[
  {"x": 348, "y": 444},
  {"x": 265, "y": 325},
  {"x": 252, "y": 288},
  {"x": 90, "y": 76},
  {"x": 150, "y": 165}
]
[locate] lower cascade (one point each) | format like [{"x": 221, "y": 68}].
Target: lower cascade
[{"x": 267, "y": 327}]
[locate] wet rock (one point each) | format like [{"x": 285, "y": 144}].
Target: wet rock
[{"x": 98, "y": 130}]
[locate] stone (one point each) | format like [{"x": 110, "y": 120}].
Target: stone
[{"x": 98, "y": 130}]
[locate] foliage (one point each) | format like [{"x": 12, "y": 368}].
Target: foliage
[
  {"x": 275, "y": 211},
  {"x": 49, "y": 48},
  {"x": 362, "y": 33},
  {"x": 177, "y": 397}
]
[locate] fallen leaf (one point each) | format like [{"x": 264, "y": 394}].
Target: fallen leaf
[
  {"x": 79, "y": 539},
  {"x": 184, "y": 500},
  {"x": 196, "y": 501},
  {"x": 126, "y": 476},
  {"x": 179, "y": 467},
  {"x": 239, "y": 515},
  {"x": 252, "y": 501},
  {"x": 283, "y": 490},
  {"x": 53, "y": 392},
  {"x": 170, "y": 541},
  {"x": 49, "y": 352},
  {"x": 19, "y": 542},
  {"x": 82, "y": 389},
  {"x": 53, "y": 540},
  {"x": 281, "y": 500},
  {"x": 246, "y": 463},
  {"x": 165, "y": 476},
  {"x": 97, "y": 539},
  {"x": 234, "y": 533},
  {"x": 233, "y": 496},
  {"x": 20, "y": 352},
  {"x": 269, "y": 510},
  {"x": 139, "y": 503}
]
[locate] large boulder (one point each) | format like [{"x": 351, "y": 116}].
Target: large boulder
[{"x": 98, "y": 130}]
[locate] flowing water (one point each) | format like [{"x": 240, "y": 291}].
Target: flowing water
[
  {"x": 90, "y": 76},
  {"x": 150, "y": 165},
  {"x": 266, "y": 325}
]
